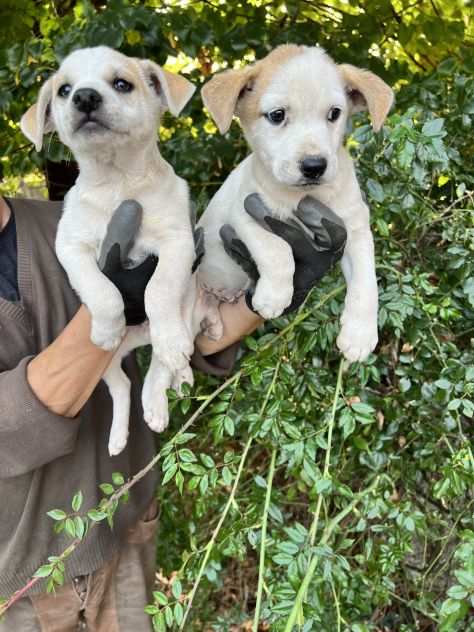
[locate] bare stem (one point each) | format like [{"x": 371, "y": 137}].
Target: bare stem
[{"x": 261, "y": 569}]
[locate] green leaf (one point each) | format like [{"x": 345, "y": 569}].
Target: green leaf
[
  {"x": 170, "y": 472},
  {"x": 44, "y": 571},
  {"x": 178, "y": 613},
  {"x": 187, "y": 456},
  {"x": 77, "y": 501},
  {"x": 57, "y": 514},
  {"x": 96, "y": 515},
  {"x": 160, "y": 598},
  {"x": 79, "y": 527},
  {"x": 70, "y": 527},
  {"x": 179, "y": 480},
  {"x": 457, "y": 592},
  {"x": 176, "y": 589},
  {"x": 433, "y": 128},
  {"x": 118, "y": 479},
  {"x": 107, "y": 488}
]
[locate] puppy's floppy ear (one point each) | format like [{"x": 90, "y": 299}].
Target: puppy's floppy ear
[
  {"x": 366, "y": 91},
  {"x": 173, "y": 89},
  {"x": 37, "y": 121},
  {"x": 221, "y": 93}
]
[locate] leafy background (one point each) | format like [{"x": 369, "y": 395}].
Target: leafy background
[{"x": 371, "y": 483}]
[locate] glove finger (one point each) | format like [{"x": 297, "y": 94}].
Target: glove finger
[
  {"x": 337, "y": 235},
  {"x": 301, "y": 243},
  {"x": 256, "y": 208},
  {"x": 311, "y": 211},
  {"x": 238, "y": 251},
  {"x": 112, "y": 260},
  {"x": 199, "y": 242},
  {"x": 147, "y": 267},
  {"x": 198, "y": 248},
  {"x": 123, "y": 226}
]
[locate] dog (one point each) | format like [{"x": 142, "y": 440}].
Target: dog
[
  {"x": 105, "y": 107},
  {"x": 293, "y": 106}
]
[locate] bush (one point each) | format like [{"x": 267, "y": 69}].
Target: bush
[{"x": 369, "y": 519}]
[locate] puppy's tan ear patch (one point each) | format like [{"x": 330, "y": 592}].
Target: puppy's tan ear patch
[
  {"x": 221, "y": 93},
  {"x": 366, "y": 91},
  {"x": 174, "y": 89},
  {"x": 37, "y": 121}
]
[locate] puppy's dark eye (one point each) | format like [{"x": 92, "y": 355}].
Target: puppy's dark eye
[
  {"x": 334, "y": 114},
  {"x": 121, "y": 85},
  {"x": 64, "y": 90},
  {"x": 276, "y": 116}
]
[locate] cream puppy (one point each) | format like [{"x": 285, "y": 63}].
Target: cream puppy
[
  {"x": 293, "y": 106},
  {"x": 106, "y": 107}
]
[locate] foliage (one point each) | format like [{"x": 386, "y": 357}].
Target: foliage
[{"x": 371, "y": 475}]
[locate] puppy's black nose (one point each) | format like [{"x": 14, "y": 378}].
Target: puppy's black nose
[
  {"x": 313, "y": 167},
  {"x": 87, "y": 100}
]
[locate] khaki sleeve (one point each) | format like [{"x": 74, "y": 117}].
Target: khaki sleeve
[{"x": 30, "y": 434}]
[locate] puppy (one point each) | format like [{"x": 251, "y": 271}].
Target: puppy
[
  {"x": 293, "y": 106},
  {"x": 105, "y": 107}
]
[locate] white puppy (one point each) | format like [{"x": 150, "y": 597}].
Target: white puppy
[
  {"x": 293, "y": 106},
  {"x": 106, "y": 107}
]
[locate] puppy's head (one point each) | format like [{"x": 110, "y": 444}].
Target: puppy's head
[
  {"x": 293, "y": 106},
  {"x": 99, "y": 96}
]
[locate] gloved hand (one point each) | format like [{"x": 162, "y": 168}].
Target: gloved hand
[
  {"x": 118, "y": 241},
  {"x": 314, "y": 254}
]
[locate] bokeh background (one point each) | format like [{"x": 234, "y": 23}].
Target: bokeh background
[{"x": 402, "y": 558}]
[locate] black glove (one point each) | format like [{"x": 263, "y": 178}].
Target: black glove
[
  {"x": 113, "y": 260},
  {"x": 314, "y": 255},
  {"x": 131, "y": 283}
]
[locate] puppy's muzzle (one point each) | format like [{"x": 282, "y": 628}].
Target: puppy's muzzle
[
  {"x": 87, "y": 100},
  {"x": 313, "y": 167}
]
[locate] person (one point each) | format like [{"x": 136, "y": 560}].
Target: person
[{"x": 55, "y": 416}]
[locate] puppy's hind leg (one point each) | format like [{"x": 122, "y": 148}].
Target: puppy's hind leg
[
  {"x": 119, "y": 387},
  {"x": 154, "y": 396}
]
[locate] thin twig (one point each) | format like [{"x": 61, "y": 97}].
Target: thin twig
[
  {"x": 215, "y": 533},
  {"x": 261, "y": 569}
]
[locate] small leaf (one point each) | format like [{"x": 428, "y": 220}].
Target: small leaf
[
  {"x": 176, "y": 589},
  {"x": 117, "y": 478},
  {"x": 77, "y": 501},
  {"x": 160, "y": 597},
  {"x": 96, "y": 515},
  {"x": 70, "y": 527},
  {"x": 44, "y": 571},
  {"x": 178, "y": 613},
  {"x": 107, "y": 488},
  {"x": 57, "y": 514}
]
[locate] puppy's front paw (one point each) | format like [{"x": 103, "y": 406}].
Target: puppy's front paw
[
  {"x": 174, "y": 348},
  {"x": 271, "y": 298},
  {"x": 357, "y": 338},
  {"x": 107, "y": 333}
]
